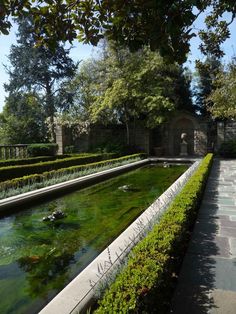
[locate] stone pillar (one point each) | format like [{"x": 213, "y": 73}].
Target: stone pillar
[
  {"x": 183, "y": 149},
  {"x": 200, "y": 141},
  {"x": 220, "y": 134},
  {"x": 59, "y": 139}
]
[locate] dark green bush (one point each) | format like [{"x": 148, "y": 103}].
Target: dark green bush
[
  {"x": 32, "y": 160},
  {"x": 145, "y": 284},
  {"x": 70, "y": 149},
  {"x": 42, "y": 149},
  {"x": 25, "y": 180},
  {"x": 118, "y": 147},
  {"x": 228, "y": 149},
  {"x": 109, "y": 147},
  {"x": 7, "y": 173}
]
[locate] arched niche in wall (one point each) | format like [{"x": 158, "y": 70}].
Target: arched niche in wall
[{"x": 183, "y": 123}]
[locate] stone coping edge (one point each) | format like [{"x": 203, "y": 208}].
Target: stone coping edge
[
  {"x": 79, "y": 294},
  {"x": 21, "y": 199}
]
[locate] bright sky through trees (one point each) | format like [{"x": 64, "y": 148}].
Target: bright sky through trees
[{"x": 81, "y": 52}]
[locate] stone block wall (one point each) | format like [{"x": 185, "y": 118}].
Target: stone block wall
[
  {"x": 225, "y": 131},
  {"x": 100, "y": 136},
  {"x": 164, "y": 140},
  {"x": 230, "y": 130}
]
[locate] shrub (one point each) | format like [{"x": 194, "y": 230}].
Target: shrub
[
  {"x": 70, "y": 149},
  {"x": 31, "y": 180},
  {"x": 42, "y": 149},
  {"x": 32, "y": 160},
  {"x": 228, "y": 149},
  {"x": 12, "y": 172},
  {"x": 145, "y": 284}
]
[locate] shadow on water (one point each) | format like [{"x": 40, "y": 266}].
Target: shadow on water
[{"x": 197, "y": 275}]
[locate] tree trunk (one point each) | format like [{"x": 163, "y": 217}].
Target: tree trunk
[
  {"x": 127, "y": 133},
  {"x": 50, "y": 111},
  {"x": 127, "y": 126}
]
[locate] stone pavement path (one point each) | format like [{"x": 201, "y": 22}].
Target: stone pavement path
[{"x": 207, "y": 281}]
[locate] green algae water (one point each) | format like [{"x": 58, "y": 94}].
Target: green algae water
[{"x": 37, "y": 259}]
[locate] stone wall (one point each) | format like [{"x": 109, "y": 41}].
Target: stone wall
[
  {"x": 100, "y": 136},
  {"x": 169, "y": 135},
  {"x": 225, "y": 131},
  {"x": 230, "y": 130},
  {"x": 165, "y": 140}
]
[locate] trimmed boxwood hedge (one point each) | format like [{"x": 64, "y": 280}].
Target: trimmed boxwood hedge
[
  {"x": 31, "y": 160},
  {"x": 11, "y": 172},
  {"x": 25, "y": 180},
  {"x": 145, "y": 285}
]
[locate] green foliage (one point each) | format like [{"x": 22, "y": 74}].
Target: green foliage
[
  {"x": 121, "y": 87},
  {"x": 224, "y": 95},
  {"x": 63, "y": 174},
  {"x": 217, "y": 26},
  {"x": 207, "y": 72},
  {"x": 70, "y": 149},
  {"x": 145, "y": 284},
  {"x": 76, "y": 97},
  {"x": 40, "y": 71},
  {"x": 182, "y": 78},
  {"x": 11, "y": 172},
  {"x": 228, "y": 149},
  {"x": 42, "y": 149},
  {"x": 163, "y": 26},
  {"x": 33, "y": 160},
  {"x": 109, "y": 147},
  {"x": 134, "y": 85},
  {"x": 23, "y": 119}
]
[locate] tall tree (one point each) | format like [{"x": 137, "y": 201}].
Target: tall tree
[
  {"x": 182, "y": 94},
  {"x": 121, "y": 87},
  {"x": 206, "y": 74},
  {"x": 23, "y": 120},
  {"x": 38, "y": 69},
  {"x": 166, "y": 26},
  {"x": 223, "y": 97}
]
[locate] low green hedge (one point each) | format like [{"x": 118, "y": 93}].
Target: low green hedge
[
  {"x": 42, "y": 149},
  {"x": 31, "y": 160},
  {"x": 11, "y": 172},
  {"x": 35, "y": 178},
  {"x": 145, "y": 285}
]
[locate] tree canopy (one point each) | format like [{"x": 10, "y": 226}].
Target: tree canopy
[
  {"x": 223, "y": 96},
  {"x": 206, "y": 74},
  {"x": 123, "y": 87},
  {"x": 38, "y": 70},
  {"x": 23, "y": 120},
  {"x": 166, "y": 26}
]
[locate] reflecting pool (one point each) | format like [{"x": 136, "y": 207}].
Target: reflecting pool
[{"x": 38, "y": 258}]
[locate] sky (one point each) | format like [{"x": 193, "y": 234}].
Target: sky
[
  {"x": 82, "y": 52},
  {"x": 78, "y": 53},
  {"x": 229, "y": 46}
]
